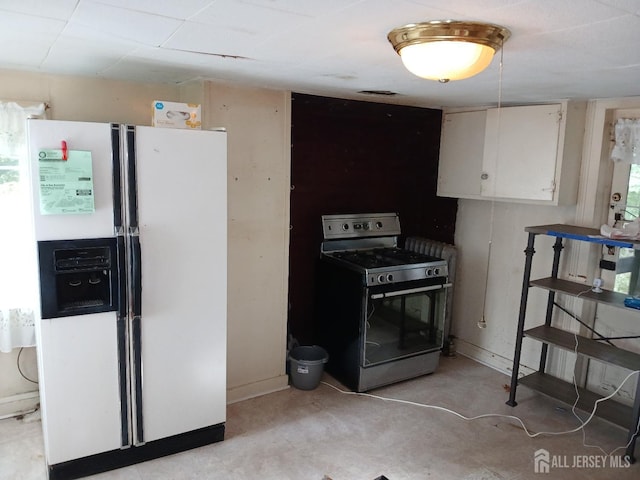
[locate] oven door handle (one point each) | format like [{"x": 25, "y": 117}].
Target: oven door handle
[{"x": 397, "y": 293}]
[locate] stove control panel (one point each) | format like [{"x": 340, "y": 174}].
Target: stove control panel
[
  {"x": 360, "y": 225},
  {"x": 408, "y": 275}
]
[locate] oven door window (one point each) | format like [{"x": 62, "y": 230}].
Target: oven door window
[{"x": 401, "y": 325}]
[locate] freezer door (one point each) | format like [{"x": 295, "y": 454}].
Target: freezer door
[
  {"x": 90, "y": 137},
  {"x": 78, "y": 356},
  {"x": 182, "y": 218}
]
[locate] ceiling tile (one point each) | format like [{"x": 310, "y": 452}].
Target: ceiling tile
[
  {"x": 255, "y": 20},
  {"x": 182, "y": 9},
  {"x": 22, "y": 24},
  {"x": 145, "y": 28},
  {"x": 631, "y": 6},
  {"x": 145, "y": 70},
  {"x": 58, "y": 9},
  {"x": 84, "y": 50},
  {"x": 30, "y": 55},
  {"x": 198, "y": 37},
  {"x": 617, "y": 37},
  {"x": 310, "y": 9},
  {"x": 555, "y": 15},
  {"x": 33, "y": 35}
]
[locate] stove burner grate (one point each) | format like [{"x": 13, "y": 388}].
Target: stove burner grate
[{"x": 383, "y": 257}]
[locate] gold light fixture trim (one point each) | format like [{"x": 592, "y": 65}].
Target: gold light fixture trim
[{"x": 446, "y": 50}]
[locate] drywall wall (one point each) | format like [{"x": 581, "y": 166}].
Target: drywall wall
[
  {"x": 491, "y": 241},
  {"x": 490, "y": 236},
  {"x": 87, "y": 99},
  {"x": 18, "y": 394},
  {"x": 258, "y": 163},
  {"x": 258, "y": 135}
]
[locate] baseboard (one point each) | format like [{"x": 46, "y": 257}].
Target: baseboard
[
  {"x": 256, "y": 389},
  {"x": 489, "y": 359},
  {"x": 19, "y": 404}
]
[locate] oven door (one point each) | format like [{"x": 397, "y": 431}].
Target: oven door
[{"x": 403, "y": 321}]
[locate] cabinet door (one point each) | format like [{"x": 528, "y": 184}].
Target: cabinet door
[
  {"x": 520, "y": 152},
  {"x": 461, "y": 148}
]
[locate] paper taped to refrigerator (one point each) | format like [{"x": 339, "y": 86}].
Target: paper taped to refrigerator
[{"x": 66, "y": 186}]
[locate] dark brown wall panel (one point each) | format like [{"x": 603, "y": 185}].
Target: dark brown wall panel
[{"x": 353, "y": 157}]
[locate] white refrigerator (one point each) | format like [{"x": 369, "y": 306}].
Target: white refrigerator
[{"x": 131, "y": 224}]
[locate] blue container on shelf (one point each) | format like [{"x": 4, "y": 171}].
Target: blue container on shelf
[{"x": 632, "y": 302}]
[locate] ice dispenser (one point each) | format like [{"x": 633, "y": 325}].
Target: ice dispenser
[{"x": 78, "y": 276}]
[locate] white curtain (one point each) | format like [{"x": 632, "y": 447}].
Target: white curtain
[
  {"x": 18, "y": 282},
  {"x": 627, "y": 141}
]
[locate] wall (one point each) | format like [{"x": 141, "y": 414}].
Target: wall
[
  {"x": 258, "y": 125},
  {"x": 498, "y": 227},
  {"x": 491, "y": 235},
  {"x": 257, "y": 122},
  {"x": 16, "y": 393},
  {"x": 87, "y": 99},
  {"x": 351, "y": 156}
]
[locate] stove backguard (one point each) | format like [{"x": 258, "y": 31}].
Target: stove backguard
[{"x": 353, "y": 226}]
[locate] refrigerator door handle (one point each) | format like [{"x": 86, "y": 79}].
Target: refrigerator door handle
[
  {"x": 122, "y": 334},
  {"x": 136, "y": 343},
  {"x": 135, "y": 286},
  {"x": 136, "y": 276},
  {"x": 122, "y": 339},
  {"x": 123, "y": 297},
  {"x": 136, "y": 346},
  {"x": 132, "y": 178},
  {"x": 123, "y": 379},
  {"x": 116, "y": 162}
]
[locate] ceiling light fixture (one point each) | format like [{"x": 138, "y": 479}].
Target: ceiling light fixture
[{"x": 446, "y": 50}]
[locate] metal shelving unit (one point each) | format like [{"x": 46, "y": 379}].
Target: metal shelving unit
[{"x": 594, "y": 348}]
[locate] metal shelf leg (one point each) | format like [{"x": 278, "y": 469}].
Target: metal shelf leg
[
  {"x": 557, "y": 249},
  {"x": 633, "y": 428},
  {"x": 529, "y": 251}
]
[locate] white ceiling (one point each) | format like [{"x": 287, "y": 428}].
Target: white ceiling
[{"x": 558, "y": 48}]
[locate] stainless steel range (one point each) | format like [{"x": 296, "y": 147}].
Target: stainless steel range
[{"x": 380, "y": 309}]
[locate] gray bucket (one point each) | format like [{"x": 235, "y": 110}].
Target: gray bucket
[{"x": 306, "y": 365}]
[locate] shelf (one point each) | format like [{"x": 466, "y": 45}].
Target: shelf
[
  {"x": 585, "y": 234},
  {"x": 586, "y": 346},
  {"x": 613, "y": 411},
  {"x": 565, "y": 392},
  {"x": 608, "y": 297}
]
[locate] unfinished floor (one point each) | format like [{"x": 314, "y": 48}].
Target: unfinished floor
[{"x": 295, "y": 434}]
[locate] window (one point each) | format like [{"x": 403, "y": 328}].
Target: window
[
  {"x": 18, "y": 284},
  {"x": 625, "y": 198}
]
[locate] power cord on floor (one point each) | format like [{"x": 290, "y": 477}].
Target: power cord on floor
[
  {"x": 597, "y": 284},
  {"x": 20, "y": 369},
  {"x": 583, "y": 424},
  {"x": 494, "y": 415},
  {"x": 575, "y": 405}
]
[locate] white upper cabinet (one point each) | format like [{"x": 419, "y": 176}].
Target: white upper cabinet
[
  {"x": 527, "y": 154},
  {"x": 461, "y": 147}
]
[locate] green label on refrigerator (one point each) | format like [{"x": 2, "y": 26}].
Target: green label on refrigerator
[{"x": 66, "y": 186}]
